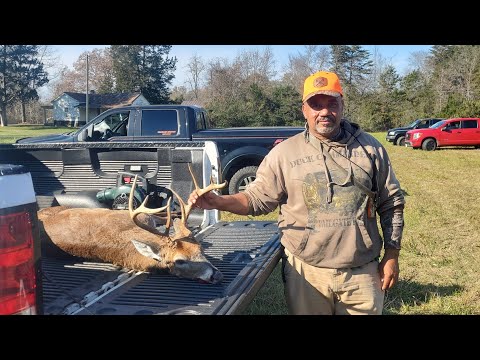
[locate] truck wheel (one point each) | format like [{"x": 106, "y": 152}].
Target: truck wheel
[
  {"x": 400, "y": 141},
  {"x": 241, "y": 179},
  {"x": 429, "y": 145}
]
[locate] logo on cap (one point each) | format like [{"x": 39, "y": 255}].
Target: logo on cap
[{"x": 320, "y": 82}]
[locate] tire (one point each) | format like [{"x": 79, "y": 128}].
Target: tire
[
  {"x": 241, "y": 179},
  {"x": 429, "y": 145},
  {"x": 400, "y": 141}
]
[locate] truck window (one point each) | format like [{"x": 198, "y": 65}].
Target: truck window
[
  {"x": 200, "y": 121},
  {"x": 454, "y": 125},
  {"x": 112, "y": 125},
  {"x": 469, "y": 124},
  {"x": 159, "y": 122},
  {"x": 208, "y": 124},
  {"x": 423, "y": 125}
]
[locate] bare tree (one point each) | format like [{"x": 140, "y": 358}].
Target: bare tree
[
  {"x": 315, "y": 58},
  {"x": 195, "y": 68},
  {"x": 256, "y": 66},
  {"x": 418, "y": 60},
  {"x": 380, "y": 64},
  {"x": 100, "y": 73},
  {"x": 223, "y": 80},
  {"x": 462, "y": 70},
  {"x": 456, "y": 76},
  {"x": 178, "y": 94},
  {"x": 441, "y": 89}
]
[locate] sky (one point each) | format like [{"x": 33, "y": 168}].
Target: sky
[{"x": 397, "y": 55}]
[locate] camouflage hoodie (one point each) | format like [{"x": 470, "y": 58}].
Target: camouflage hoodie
[{"x": 324, "y": 217}]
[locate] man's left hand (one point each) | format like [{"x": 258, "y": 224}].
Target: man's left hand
[{"x": 389, "y": 269}]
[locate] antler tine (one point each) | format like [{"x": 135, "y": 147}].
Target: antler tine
[
  {"x": 142, "y": 209},
  {"x": 185, "y": 209},
  {"x": 210, "y": 187}
]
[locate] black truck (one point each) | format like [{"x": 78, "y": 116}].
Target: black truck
[
  {"x": 40, "y": 175},
  {"x": 397, "y": 135},
  {"x": 240, "y": 149}
]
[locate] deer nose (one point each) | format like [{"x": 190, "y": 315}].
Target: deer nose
[{"x": 216, "y": 277}]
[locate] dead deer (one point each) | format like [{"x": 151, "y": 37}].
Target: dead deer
[{"x": 129, "y": 238}]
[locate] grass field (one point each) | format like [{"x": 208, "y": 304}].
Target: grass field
[
  {"x": 10, "y": 134},
  {"x": 441, "y": 243}
]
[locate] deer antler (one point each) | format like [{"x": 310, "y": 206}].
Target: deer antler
[
  {"x": 142, "y": 209},
  {"x": 186, "y": 209}
]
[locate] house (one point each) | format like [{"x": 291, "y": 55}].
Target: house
[{"x": 69, "y": 108}]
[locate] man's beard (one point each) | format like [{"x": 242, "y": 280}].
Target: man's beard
[{"x": 326, "y": 130}]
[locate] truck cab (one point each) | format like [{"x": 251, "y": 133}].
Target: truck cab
[{"x": 241, "y": 149}]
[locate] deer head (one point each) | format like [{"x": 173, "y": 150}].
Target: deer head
[
  {"x": 130, "y": 238},
  {"x": 188, "y": 260}
]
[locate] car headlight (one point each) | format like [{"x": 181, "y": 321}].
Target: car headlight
[
  {"x": 416, "y": 136},
  {"x": 391, "y": 133}
]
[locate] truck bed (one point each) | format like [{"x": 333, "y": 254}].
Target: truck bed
[{"x": 246, "y": 252}]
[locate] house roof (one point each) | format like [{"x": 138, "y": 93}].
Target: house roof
[{"x": 104, "y": 100}]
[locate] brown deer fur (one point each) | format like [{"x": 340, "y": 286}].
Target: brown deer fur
[{"x": 128, "y": 239}]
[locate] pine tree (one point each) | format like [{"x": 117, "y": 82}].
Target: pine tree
[
  {"x": 144, "y": 68},
  {"x": 21, "y": 73}
]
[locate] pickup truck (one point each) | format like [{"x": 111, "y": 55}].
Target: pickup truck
[
  {"x": 38, "y": 175},
  {"x": 240, "y": 149},
  {"x": 397, "y": 135}
]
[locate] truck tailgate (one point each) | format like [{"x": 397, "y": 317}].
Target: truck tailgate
[{"x": 246, "y": 252}]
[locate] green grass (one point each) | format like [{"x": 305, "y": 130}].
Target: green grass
[
  {"x": 441, "y": 241},
  {"x": 10, "y": 134}
]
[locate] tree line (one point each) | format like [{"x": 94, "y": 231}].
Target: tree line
[
  {"x": 250, "y": 91},
  {"x": 119, "y": 68}
]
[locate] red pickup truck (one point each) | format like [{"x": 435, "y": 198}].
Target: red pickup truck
[{"x": 450, "y": 132}]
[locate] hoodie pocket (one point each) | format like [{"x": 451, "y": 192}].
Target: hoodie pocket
[
  {"x": 367, "y": 240},
  {"x": 303, "y": 243},
  {"x": 362, "y": 220}
]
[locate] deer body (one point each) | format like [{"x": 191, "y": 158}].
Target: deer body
[
  {"x": 99, "y": 234},
  {"x": 128, "y": 238}
]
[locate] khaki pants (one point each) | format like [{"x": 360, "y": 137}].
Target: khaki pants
[{"x": 310, "y": 290}]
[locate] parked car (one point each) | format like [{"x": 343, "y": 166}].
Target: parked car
[
  {"x": 397, "y": 135},
  {"x": 450, "y": 132}
]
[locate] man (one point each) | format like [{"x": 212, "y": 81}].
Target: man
[{"x": 330, "y": 182}]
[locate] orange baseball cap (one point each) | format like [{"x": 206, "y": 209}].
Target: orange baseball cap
[{"x": 322, "y": 82}]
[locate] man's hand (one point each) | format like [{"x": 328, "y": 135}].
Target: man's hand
[
  {"x": 389, "y": 268},
  {"x": 206, "y": 201}
]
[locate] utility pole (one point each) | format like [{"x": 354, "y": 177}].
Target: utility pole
[{"x": 86, "y": 104}]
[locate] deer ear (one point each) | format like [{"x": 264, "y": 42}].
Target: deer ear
[{"x": 146, "y": 250}]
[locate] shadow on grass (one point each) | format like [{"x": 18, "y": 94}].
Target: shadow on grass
[
  {"x": 443, "y": 148},
  {"x": 411, "y": 294}
]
